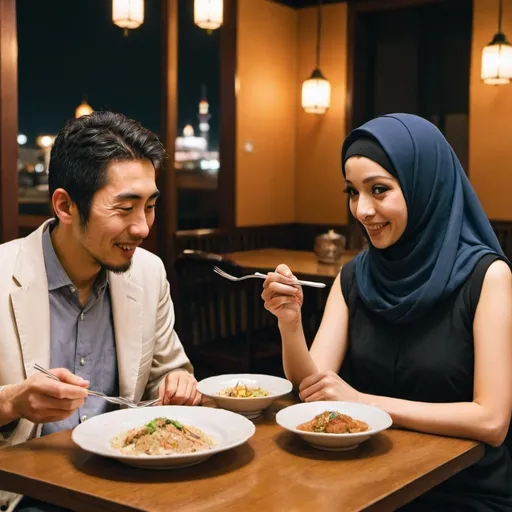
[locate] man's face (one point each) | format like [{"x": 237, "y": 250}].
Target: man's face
[{"x": 122, "y": 213}]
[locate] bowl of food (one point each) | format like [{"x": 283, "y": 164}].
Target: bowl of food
[
  {"x": 334, "y": 426},
  {"x": 245, "y": 393},
  {"x": 163, "y": 437}
]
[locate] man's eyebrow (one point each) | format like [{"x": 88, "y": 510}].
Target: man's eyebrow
[{"x": 130, "y": 196}]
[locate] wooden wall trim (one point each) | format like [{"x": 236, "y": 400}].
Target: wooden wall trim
[
  {"x": 8, "y": 121},
  {"x": 227, "y": 139},
  {"x": 166, "y": 220},
  {"x": 384, "y": 5}
]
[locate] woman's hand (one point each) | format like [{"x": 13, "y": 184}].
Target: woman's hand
[
  {"x": 327, "y": 386},
  {"x": 283, "y": 299}
]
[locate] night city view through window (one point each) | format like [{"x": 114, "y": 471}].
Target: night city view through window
[{"x": 73, "y": 59}]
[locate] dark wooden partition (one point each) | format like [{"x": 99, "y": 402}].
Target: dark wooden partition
[
  {"x": 166, "y": 211},
  {"x": 227, "y": 143},
  {"x": 281, "y": 236},
  {"x": 292, "y": 236},
  {"x": 239, "y": 239}
]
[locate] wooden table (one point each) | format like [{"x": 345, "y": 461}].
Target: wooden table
[
  {"x": 302, "y": 263},
  {"x": 274, "y": 471}
]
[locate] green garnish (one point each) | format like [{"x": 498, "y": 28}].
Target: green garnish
[
  {"x": 151, "y": 426},
  {"x": 332, "y": 416},
  {"x": 177, "y": 424}
]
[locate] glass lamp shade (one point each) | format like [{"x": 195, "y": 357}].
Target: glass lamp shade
[
  {"x": 497, "y": 61},
  {"x": 316, "y": 93},
  {"x": 84, "y": 109},
  {"x": 208, "y": 14},
  {"x": 128, "y": 13}
]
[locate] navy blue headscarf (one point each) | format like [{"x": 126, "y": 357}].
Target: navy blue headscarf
[{"x": 447, "y": 231}]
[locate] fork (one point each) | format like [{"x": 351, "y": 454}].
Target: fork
[
  {"x": 259, "y": 275},
  {"x": 113, "y": 400}
]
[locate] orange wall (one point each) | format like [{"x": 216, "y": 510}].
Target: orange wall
[
  {"x": 490, "y": 119},
  {"x": 293, "y": 173},
  {"x": 319, "y": 182},
  {"x": 266, "y": 113}
]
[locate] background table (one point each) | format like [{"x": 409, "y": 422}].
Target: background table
[{"x": 302, "y": 263}]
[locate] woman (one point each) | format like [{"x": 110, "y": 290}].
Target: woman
[{"x": 420, "y": 324}]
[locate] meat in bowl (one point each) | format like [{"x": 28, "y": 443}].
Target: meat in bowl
[
  {"x": 333, "y": 422},
  {"x": 162, "y": 436}
]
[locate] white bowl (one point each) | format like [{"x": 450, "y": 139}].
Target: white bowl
[
  {"x": 225, "y": 428},
  {"x": 249, "y": 407},
  {"x": 292, "y": 416}
]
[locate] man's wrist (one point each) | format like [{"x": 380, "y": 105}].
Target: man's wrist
[{"x": 8, "y": 412}]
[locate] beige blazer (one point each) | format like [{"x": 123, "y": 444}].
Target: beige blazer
[{"x": 147, "y": 346}]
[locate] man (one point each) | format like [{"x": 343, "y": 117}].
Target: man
[{"x": 80, "y": 297}]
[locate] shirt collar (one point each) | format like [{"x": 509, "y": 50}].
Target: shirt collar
[{"x": 55, "y": 273}]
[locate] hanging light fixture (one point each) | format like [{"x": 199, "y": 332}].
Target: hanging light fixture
[
  {"x": 497, "y": 57},
  {"x": 128, "y": 14},
  {"x": 316, "y": 90},
  {"x": 84, "y": 109},
  {"x": 208, "y": 14}
]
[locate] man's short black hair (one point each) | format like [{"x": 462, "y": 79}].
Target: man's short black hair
[{"x": 84, "y": 148}]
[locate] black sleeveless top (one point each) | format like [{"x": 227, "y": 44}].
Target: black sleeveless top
[{"x": 430, "y": 360}]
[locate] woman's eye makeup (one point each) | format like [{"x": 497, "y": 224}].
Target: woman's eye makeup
[
  {"x": 379, "y": 189},
  {"x": 351, "y": 191},
  {"x": 376, "y": 190}
]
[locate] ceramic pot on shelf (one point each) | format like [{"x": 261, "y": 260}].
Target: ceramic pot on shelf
[{"x": 329, "y": 247}]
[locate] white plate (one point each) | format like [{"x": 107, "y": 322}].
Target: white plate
[
  {"x": 249, "y": 407},
  {"x": 225, "y": 428},
  {"x": 292, "y": 416}
]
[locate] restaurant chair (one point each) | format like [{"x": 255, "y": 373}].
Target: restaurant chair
[{"x": 224, "y": 326}]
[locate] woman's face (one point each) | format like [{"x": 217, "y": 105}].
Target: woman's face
[{"x": 376, "y": 200}]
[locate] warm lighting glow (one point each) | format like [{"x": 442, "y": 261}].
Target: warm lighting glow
[
  {"x": 188, "y": 131},
  {"x": 208, "y": 14},
  {"x": 497, "y": 61},
  {"x": 45, "y": 141},
  {"x": 128, "y": 13},
  {"x": 203, "y": 107},
  {"x": 84, "y": 109},
  {"x": 316, "y": 93}
]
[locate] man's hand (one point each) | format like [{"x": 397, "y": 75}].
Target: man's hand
[
  {"x": 179, "y": 388},
  {"x": 43, "y": 400}
]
